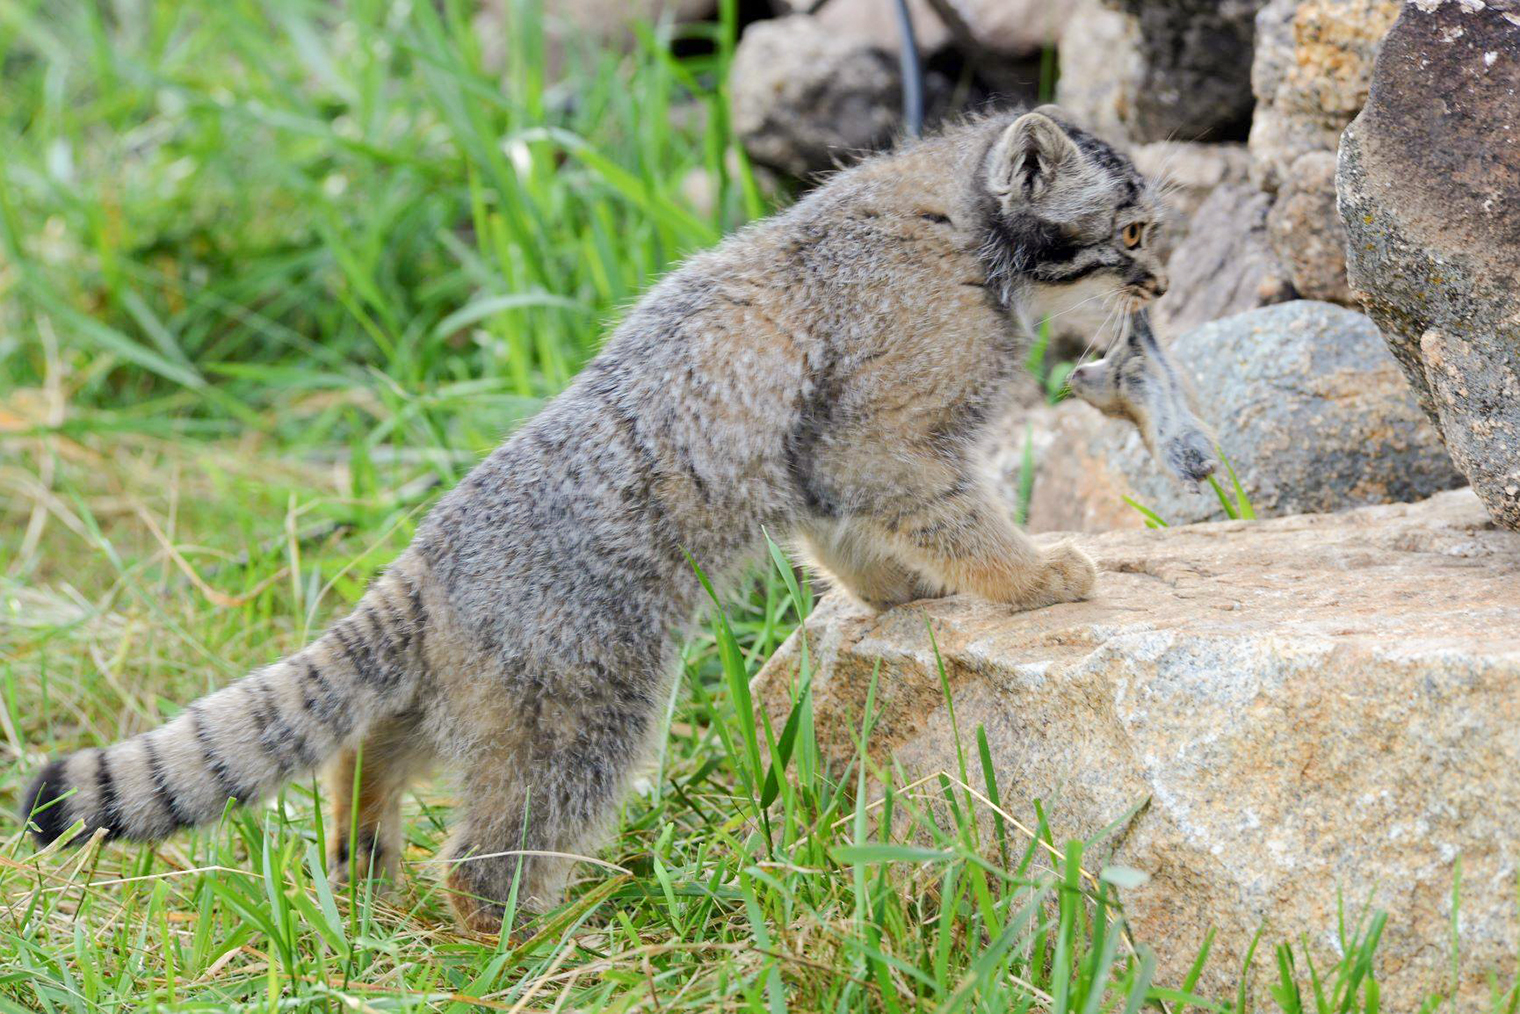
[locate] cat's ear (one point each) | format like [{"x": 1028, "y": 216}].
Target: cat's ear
[{"x": 1028, "y": 156}]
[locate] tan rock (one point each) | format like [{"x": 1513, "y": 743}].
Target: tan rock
[
  {"x": 1306, "y": 705},
  {"x": 1078, "y": 487},
  {"x": 1306, "y": 231},
  {"x": 1310, "y": 75}
]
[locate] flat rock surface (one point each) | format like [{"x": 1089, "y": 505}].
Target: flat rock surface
[{"x": 1306, "y": 705}]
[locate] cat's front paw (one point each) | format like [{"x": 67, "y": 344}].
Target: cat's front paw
[
  {"x": 1189, "y": 455},
  {"x": 1068, "y": 574}
]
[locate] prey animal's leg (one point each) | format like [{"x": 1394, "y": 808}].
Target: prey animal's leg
[
  {"x": 859, "y": 562},
  {"x": 365, "y": 833},
  {"x": 1137, "y": 381},
  {"x": 969, "y": 543},
  {"x": 543, "y": 795}
]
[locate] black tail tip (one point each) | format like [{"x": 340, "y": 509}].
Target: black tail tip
[{"x": 41, "y": 804}]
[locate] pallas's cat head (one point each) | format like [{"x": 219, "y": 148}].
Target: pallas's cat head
[{"x": 1065, "y": 217}]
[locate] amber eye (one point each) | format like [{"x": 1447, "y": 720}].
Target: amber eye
[{"x": 1132, "y": 234}]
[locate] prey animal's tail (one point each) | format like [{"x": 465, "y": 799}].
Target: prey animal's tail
[{"x": 246, "y": 740}]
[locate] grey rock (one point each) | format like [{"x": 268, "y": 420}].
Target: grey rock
[
  {"x": 1225, "y": 264},
  {"x": 1303, "y": 709},
  {"x": 1161, "y": 69},
  {"x": 804, "y": 98},
  {"x": 1012, "y": 28},
  {"x": 1429, "y": 184},
  {"x": 874, "y": 24},
  {"x": 1307, "y": 405},
  {"x": 1101, "y": 69},
  {"x": 1007, "y": 28}
]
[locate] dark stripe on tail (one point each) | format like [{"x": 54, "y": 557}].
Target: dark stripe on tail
[
  {"x": 161, "y": 786},
  {"x": 227, "y": 785},
  {"x": 329, "y": 709},
  {"x": 387, "y": 673},
  {"x": 277, "y": 736},
  {"x": 362, "y": 667},
  {"x": 110, "y": 806},
  {"x": 45, "y": 791}
]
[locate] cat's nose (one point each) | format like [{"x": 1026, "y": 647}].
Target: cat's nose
[{"x": 1158, "y": 285}]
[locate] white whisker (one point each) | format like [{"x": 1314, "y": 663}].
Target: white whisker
[{"x": 1077, "y": 306}]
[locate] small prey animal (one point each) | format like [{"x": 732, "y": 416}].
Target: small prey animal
[{"x": 830, "y": 374}]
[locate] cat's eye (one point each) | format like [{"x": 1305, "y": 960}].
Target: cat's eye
[{"x": 1132, "y": 234}]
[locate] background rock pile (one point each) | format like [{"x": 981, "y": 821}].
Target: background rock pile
[{"x": 1238, "y": 107}]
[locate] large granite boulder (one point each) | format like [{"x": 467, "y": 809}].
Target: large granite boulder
[
  {"x": 1306, "y": 403},
  {"x": 1287, "y": 709},
  {"x": 1157, "y": 70},
  {"x": 1429, "y": 184}
]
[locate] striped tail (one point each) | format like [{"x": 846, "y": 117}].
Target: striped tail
[{"x": 243, "y": 742}]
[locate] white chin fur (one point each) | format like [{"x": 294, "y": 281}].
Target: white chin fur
[{"x": 1080, "y": 306}]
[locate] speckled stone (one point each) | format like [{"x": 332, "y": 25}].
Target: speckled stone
[
  {"x": 1310, "y": 74},
  {"x": 1429, "y": 188},
  {"x": 1298, "y": 707}
]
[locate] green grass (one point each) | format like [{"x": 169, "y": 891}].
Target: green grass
[{"x": 272, "y": 274}]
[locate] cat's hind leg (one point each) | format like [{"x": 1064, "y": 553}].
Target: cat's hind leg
[
  {"x": 365, "y": 832},
  {"x": 531, "y": 802}
]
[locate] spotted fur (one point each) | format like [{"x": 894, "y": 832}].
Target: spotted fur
[{"x": 829, "y": 374}]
